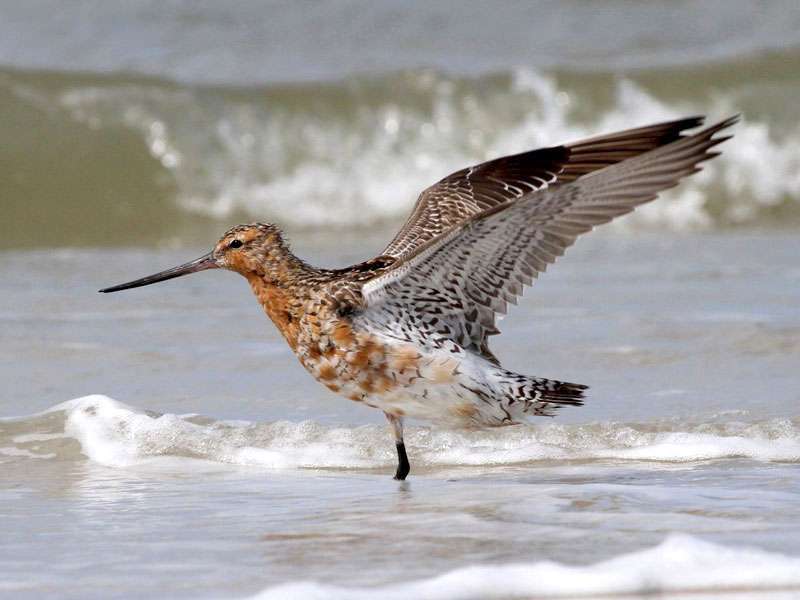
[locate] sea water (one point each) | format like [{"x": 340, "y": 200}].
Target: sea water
[{"x": 163, "y": 442}]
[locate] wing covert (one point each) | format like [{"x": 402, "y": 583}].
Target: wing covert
[{"x": 469, "y": 191}]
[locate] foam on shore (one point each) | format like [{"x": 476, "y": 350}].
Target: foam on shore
[{"x": 111, "y": 433}]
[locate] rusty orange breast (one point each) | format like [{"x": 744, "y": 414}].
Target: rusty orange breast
[
  {"x": 281, "y": 307},
  {"x": 356, "y": 364}
]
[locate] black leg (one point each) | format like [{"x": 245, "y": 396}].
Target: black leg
[
  {"x": 402, "y": 458},
  {"x": 402, "y": 462}
]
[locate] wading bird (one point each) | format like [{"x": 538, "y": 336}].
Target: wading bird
[{"x": 408, "y": 332}]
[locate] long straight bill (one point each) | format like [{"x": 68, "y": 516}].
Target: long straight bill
[{"x": 200, "y": 264}]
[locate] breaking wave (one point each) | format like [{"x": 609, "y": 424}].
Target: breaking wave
[
  {"x": 111, "y": 433},
  {"x": 142, "y": 157},
  {"x": 681, "y": 565}
]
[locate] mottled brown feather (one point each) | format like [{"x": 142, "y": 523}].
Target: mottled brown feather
[
  {"x": 473, "y": 190},
  {"x": 481, "y": 264}
]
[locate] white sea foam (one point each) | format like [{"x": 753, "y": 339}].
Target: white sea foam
[
  {"x": 112, "y": 433},
  {"x": 681, "y": 565},
  {"x": 367, "y": 162}
]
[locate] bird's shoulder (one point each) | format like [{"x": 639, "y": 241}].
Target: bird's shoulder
[{"x": 343, "y": 287}]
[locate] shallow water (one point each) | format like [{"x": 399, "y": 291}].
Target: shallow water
[
  {"x": 163, "y": 442},
  {"x": 219, "y": 469}
]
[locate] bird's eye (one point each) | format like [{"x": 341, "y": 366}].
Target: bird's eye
[{"x": 235, "y": 244}]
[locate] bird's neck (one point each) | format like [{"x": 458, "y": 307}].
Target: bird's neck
[{"x": 284, "y": 285}]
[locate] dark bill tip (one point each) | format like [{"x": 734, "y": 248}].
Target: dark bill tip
[{"x": 201, "y": 264}]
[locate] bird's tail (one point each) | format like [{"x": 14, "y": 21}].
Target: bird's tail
[{"x": 525, "y": 395}]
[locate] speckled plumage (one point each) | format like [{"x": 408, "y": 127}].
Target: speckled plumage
[
  {"x": 405, "y": 367},
  {"x": 408, "y": 332}
]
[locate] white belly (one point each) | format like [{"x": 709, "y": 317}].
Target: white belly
[{"x": 447, "y": 388}]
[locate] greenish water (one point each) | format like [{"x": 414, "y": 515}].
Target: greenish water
[{"x": 117, "y": 149}]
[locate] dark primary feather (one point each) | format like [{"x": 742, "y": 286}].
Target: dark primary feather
[
  {"x": 468, "y": 274},
  {"x": 470, "y": 191}
]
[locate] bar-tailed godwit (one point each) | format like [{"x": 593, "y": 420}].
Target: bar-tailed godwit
[{"x": 408, "y": 332}]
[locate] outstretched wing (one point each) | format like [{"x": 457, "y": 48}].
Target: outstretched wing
[
  {"x": 470, "y": 191},
  {"x": 453, "y": 285}
]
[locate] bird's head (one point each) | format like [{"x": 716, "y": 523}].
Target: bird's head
[{"x": 246, "y": 249}]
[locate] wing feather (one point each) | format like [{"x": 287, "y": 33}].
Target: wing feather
[
  {"x": 481, "y": 265},
  {"x": 473, "y": 190}
]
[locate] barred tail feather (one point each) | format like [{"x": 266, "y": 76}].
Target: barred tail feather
[{"x": 525, "y": 395}]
